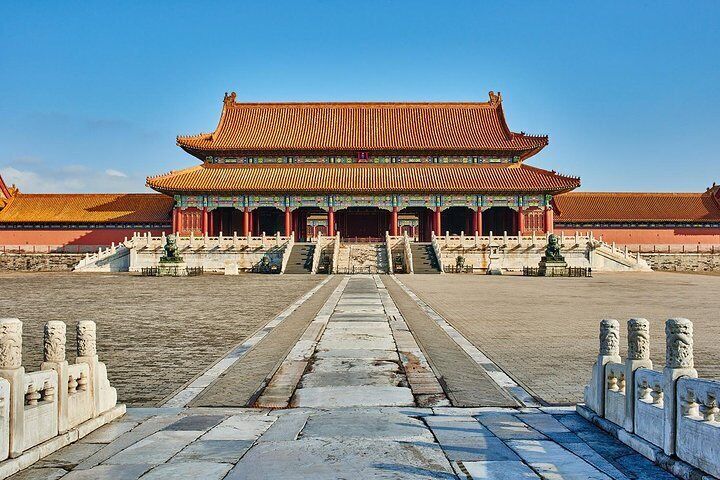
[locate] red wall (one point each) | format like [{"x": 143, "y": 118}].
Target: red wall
[
  {"x": 99, "y": 236},
  {"x": 652, "y": 236}
]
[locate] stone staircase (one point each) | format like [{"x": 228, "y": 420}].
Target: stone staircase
[
  {"x": 300, "y": 259},
  {"x": 424, "y": 259},
  {"x": 362, "y": 258}
]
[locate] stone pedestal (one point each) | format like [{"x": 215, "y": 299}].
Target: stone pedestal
[
  {"x": 172, "y": 269},
  {"x": 552, "y": 268},
  {"x": 495, "y": 260}
]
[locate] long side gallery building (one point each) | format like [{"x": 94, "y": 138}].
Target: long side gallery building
[{"x": 360, "y": 169}]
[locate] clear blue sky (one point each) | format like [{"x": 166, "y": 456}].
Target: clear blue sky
[{"x": 94, "y": 95}]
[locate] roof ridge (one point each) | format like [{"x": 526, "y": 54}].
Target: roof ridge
[{"x": 614, "y": 193}]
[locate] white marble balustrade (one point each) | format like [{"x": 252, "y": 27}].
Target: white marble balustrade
[
  {"x": 670, "y": 414},
  {"x": 57, "y": 400}
]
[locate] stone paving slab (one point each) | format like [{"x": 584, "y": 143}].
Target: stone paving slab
[
  {"x": 355, "y": 396},
  {"x": 353, "y": 443},
  {"x": 323, "y": 459}
]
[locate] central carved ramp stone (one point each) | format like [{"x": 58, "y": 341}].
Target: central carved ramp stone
[{"x": 355, "y": 362}]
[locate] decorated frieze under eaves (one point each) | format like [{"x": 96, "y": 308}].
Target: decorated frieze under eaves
[
  {"x": 369, "y": 159},
  {"x": 345, "y": 201}
]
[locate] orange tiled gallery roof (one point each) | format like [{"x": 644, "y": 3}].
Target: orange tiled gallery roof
[
  {"x": 633, "y": 207},
  {"x": 363, "y": 179},
  {"x": 87, "y": 208},
  {"x": 302, "y": 127}
]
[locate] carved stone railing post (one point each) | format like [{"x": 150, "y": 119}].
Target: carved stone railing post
[
  {"x": 638, "y": 356},
  {"x": 87, "y": 353},
  {"x": 54, "y": 341},
  {"x": 12, "y": 370},
  {"x": 609, "y": 352},
  {"x": 678, "y": 363}
]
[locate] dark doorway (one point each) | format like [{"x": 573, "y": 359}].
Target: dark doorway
[
  {"x": 457, "y": 220},
  {"x": 499, "y": 220},
  {"x": 270, "y": 220},
  {"x": 362, "y": 223}
]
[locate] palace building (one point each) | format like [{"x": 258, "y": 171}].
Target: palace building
[{"x": 360, "y": 169}]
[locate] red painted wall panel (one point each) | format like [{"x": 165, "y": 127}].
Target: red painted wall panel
[
  {"x": 99, "y": 236},
  {"x": 652, "y": 236}
]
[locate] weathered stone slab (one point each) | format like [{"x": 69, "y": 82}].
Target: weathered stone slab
[
  {"x": 351, "y": 365},
  {"x": 508, "y": 427},
  {"x": 116, "y": 472},
  {"x": 355, "y": 458},
  {"x": 155, "y": 449},
  {"x": 357, "y": 353},
  {"x": 498, "y": 470},
  {"x": 286, "y": 427},
  {"x": 342, "y": 379},
  {"x": 189, "y": 471},
  {"x": 330, "y": 397},
  {"x": 357, "y": 317},
  {"x": 377, "y": 424},
  {"x": 219, "y": 451},
  {"x": 108, "y": 433},
  {"x": 240, "y": 427},
  {"x": 553, "y": 461},
  {"x": 39, "y": 473},
  {"x": 467, "y": 440},
  {"x": 71, "y": 455},
  {"x": 195, "y": 423}
]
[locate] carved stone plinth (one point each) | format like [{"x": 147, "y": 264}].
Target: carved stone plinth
[
  {"x": 552, "y": 268},
  {"x": 172, "y": 269}
]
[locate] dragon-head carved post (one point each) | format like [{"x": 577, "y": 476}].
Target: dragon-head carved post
[
  {"x": 11, "y": 369},
  {"x": 609, "y": 352},
  {"x": 678, "y": 363},
  {"x": 54, "y": 341},
  {"x": 638, "y": 356},
  {"x": 87, "y": 353}
]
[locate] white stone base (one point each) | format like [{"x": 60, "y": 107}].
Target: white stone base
[{"x": 32, "y": 455}]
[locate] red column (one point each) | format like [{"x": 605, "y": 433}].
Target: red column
[
  {"x": 174, "y": 220},
  {"x": 438, "y": 222},
  {"x": 394, "y": 222},
  {"x": 204, "y": 220},
  {"x": 287, "y": 222},
  {"x": 251, "y": 229},
  {"x": 473, "y": 223},
  {"x": 549, "y": 220},
  {"x": 520, "y": 221},
  {"x": 246, "y": 222},
  {"x": 479, "y": 221},
  {"x": 211, "y": 222},
  {"x": 331, "y": 222}
]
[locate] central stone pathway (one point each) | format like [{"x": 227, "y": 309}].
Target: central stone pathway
[{"x": 357, "y": 352}]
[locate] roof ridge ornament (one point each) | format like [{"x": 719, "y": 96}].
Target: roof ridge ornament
[
  {"x": 229, "y": 98},
  {"x": 495, "y": 98}
]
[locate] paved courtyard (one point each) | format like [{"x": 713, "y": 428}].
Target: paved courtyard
[
  {"x": 543, "y": 331},
  {"x": 154, "y": 334},
  {"x": 359, "y": 391},
  {"x": 363, "y": 376}
]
